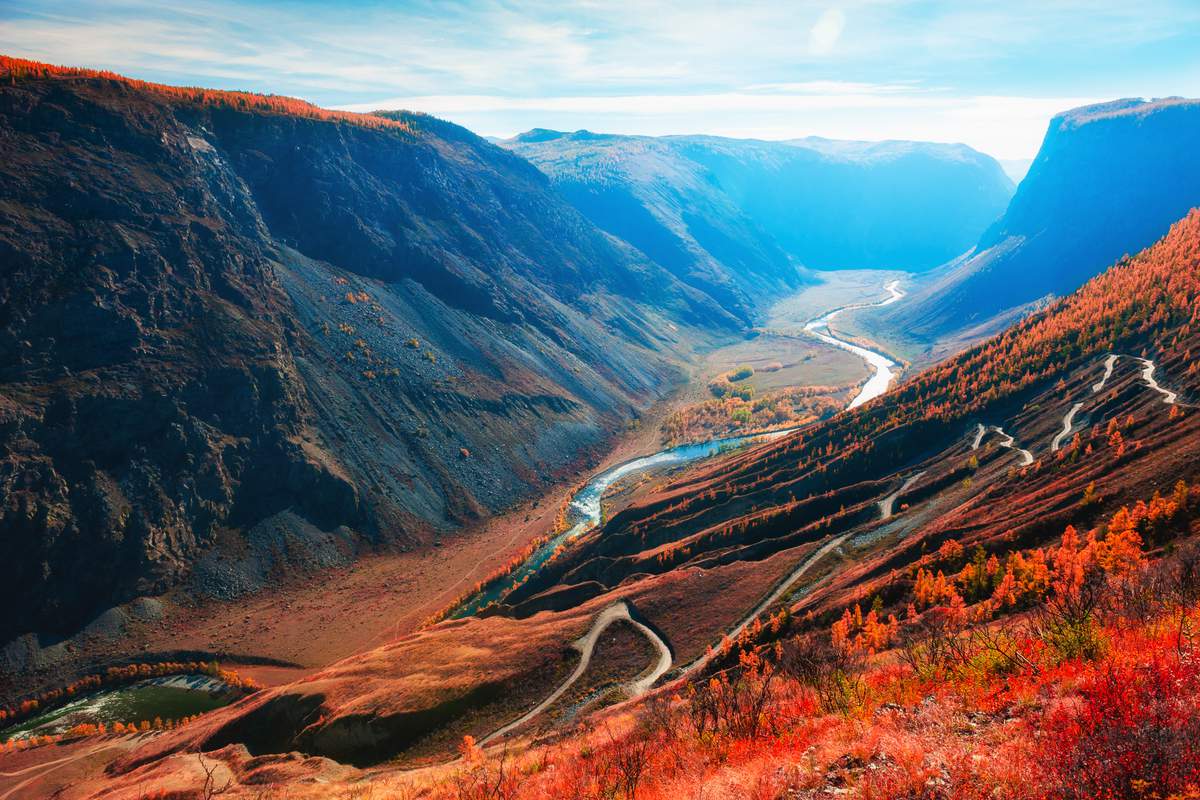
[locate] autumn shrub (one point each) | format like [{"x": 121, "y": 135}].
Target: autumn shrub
[
  {"x": 1069, "y": 634},
  {"x": 934, "y": 645},
  {"x": 483, "y": 778},
  {"x": 735, "y": 703},
  {"x": 1134, "y": 732},
  {"x": 834, "y": 674}
]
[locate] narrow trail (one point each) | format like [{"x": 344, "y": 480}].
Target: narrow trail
[
  {"x": 1006, "y": 441},
  {"x": 887, "y": 503},
  {"x": 586, "y": 644},
  {"x": 40, "y": 766},
  {"x": 885, "y": 512},
  {"x": 979, "y": 432},
  {"x": 620, "y": 611},
  {"x": 1068, "y": 423},
  {"x": 779, "y": 591},
  {"x": 1169, "y": 397},
  {"x": 1110, "y": 361},
  {"x": 46, "y": 768},
  {"x": 1148, "y": 368},
  {"x": 878, "y": 383}
]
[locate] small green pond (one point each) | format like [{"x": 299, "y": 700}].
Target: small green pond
[{"x": 169, "y": 698}]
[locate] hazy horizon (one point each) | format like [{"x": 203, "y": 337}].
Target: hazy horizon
[{"x": 989, "y": 75}]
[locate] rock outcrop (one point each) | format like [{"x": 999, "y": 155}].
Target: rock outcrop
[{"x": 221, "y": 321}]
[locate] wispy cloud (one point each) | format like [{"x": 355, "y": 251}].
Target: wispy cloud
[
  {"x": 826, "y": 32},
  {"x": 813, "y": 66},
  {"x": 1004, "y": 126},
  {"x": 732, "y": 102}
]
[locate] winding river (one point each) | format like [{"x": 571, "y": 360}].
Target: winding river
[
  {"x": 584, "y": 507},
  {"x": 878, "y": 383}
]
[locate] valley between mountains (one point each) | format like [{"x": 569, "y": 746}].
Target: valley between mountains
[{"x": 354, "y": 455}]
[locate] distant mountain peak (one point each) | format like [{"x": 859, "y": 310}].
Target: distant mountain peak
[
  {"x": 1109, "y": 179},
  {"x": 747, "y": 207},
  {"x": 537, "y": 135}
]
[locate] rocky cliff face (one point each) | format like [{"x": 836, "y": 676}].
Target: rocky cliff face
[
  {"x": 217, "y": 321},
  {"x": 742, "y": 213},
  {"x": 1108, "y": 181}
]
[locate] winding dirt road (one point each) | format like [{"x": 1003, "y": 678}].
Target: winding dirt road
[
  {"x": 1110, "y": 361},
  {"x": 586, "y": 644},
  {"x": 885, "y": 512},
  {"x": 620, "y": 610},
  {"x": 1068, "y": 423},
  {"x": 1148, "y": 367},
  {"x": 768, "y": 601},
  {"x": 1169, "y": 397},
  {"x": 1006, "y": 441},
  {"x": 45, "y": 768},
  {"x": 875, "y": 386},
  {"x": 887, "y": 503}
]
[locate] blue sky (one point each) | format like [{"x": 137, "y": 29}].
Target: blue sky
[{"x": 986, "y": 73}]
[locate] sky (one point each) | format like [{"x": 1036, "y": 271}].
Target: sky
[{"x": 988, "y": 74}]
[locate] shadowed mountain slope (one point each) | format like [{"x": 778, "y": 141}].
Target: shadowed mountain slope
[
  {"x": 705, "y": 204},
  {"x": 244, "y": 321},
  {"x": 1109, "y": 180}
]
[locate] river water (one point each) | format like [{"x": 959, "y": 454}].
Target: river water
[
  {"x": 883, "y": 366},
  {"x": 172, "y": 697},
  {"x": 584, "y": 508}
]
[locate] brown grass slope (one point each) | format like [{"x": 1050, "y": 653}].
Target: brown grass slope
[
  {"x": 1130, "y": 444},
  {"x": 235, "y": 319}
]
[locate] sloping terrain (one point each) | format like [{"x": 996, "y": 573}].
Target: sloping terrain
[
  {"x": 964, "y": 465},
  {"x": 704, "y": 205},
  {"x": 240, "y": 333},
  {"x": 243, "y": 321},
  {"x": 1109, "y": 180},
  {"x": 1021, "y": 387}
]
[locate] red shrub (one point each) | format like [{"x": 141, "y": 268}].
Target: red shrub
[{"x": 1134, "y": 732}]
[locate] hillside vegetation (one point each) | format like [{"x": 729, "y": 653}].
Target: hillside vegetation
[
  {"x": 1008, "y": 628},
  {"x": 242, "y": 337}
]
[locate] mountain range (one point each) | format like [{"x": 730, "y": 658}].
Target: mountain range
[
  {"x": 250, "y": 347},
  {"x": 221, "y": 317},
  {"x": 956, "y": 487},
  {"x": 689, "y": 202},
  {"x": 231, "y": 322}
]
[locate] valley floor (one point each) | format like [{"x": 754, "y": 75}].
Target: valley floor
[
  {"x": 805, "y": 361},
  {"x": 301, "y": 627},
  {"x": 297, "y": 629},
  {"x": 304, "y": 624}
]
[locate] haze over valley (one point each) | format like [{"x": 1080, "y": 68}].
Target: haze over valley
[{"x": 606, "y": 408}]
